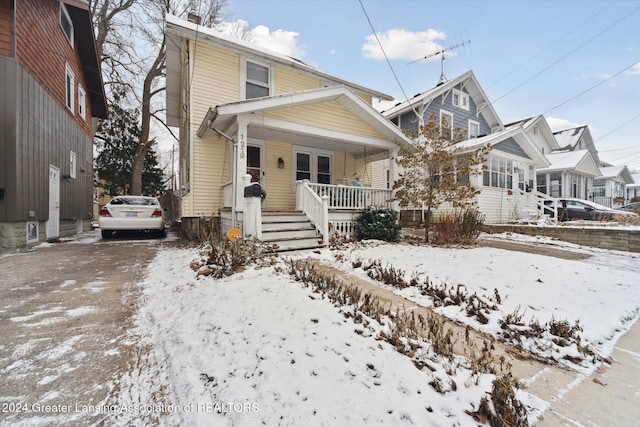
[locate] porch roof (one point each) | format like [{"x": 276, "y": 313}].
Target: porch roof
[
  {"x": 620, "y": 173},
  {"x": 579, "y": 161},
  {"x": 518, "y": 135},
  {"x": 224, "y": 118}
]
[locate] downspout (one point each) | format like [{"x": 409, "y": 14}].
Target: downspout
[
  {"x": 14, "y": 12},
  {"x": 234, "y": 167}
]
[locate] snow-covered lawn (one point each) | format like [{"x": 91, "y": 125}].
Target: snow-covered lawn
[
  {"x": 601, "y": 292},
  {"x": 259, "y": 348}
]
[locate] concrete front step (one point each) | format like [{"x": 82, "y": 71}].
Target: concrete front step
[
  {"x": 271, "y": 235},
  {"x": 297, "y": 244},
  {"x": 301, "y": 224},
  {"x": 290, "y": 230}
]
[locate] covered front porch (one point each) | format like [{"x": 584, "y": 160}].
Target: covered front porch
[{"x": 311, "y": 152}]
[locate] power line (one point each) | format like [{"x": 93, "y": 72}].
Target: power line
[
  {"x": 387, "y": 58},
  {"x": 549, "y": 46},
  {"x": 618, "y": 127},
  {"x": 592, "y": 87},
  {"x": 567, "y": 55},
  {"x": 633, "y": 147}
]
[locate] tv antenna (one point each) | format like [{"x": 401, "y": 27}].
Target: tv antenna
[{"x": 443, "y": 55}]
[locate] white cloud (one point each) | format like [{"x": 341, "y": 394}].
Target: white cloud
[
  {"x": 635, "y": 69},
  {"x": 403, "y": 44},
  {"x": 557, "y": 124},
  {"x": 280, "y": 41}
]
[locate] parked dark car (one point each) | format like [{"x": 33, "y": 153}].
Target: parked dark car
[{"x": 578, "y": 209}]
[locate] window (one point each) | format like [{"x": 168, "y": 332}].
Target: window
[
  {"x": 257, "y": 80},
  {"x": 498, "y": 173},
  {"x": 66, "y": 23},
  {"x": 446, "y": 124},
  {"x": 303, "y": 166},
  {"x": 70, "y": 83},
  {"x": 314, "y": 165},
  {"x": 542, "y": 183},
  {"x": 535, "y": 130},
  {"x": 460, "y": 99},
  {"x": 324, "y": 169},
  {"x": 576, "y": 187},
  {"x": 474, "y": 129},
  {"x": 81, "y": 101},
  {"x": 555, "y": 181},
  {"x": 72, "y": 165}
]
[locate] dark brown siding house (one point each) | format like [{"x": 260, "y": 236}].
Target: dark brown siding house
[{"x": 51, "y": 95}]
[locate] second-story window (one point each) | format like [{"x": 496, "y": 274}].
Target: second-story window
[
  {"x": 66, "y": 23},
  {"x": 474, "y": 129},
  {"x": 81, "y": 101},
  {"x": 70, "y": 83},
  {"x": 446, "y": 124},
  {"x": 460, "y": 99},
  {"x": 257, "y": 81}
]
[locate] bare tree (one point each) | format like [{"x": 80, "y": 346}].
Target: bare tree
[
  {"x": 438, "y": 170},
  {"x": 132, "y": 49}
]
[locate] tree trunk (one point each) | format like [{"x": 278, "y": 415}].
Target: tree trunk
[
  {"x": 137, "y": 165},
  {"x": 427, "y": 223}
]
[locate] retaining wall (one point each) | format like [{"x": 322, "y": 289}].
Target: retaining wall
[{"x": 599, "y": 237}]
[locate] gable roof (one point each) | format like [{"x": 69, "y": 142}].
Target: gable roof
[
  {"x": 518, "y": 134},
  {"x": 178, "y": 29},
  {"x": 88, "y": 54},
  {"x": 579, "y": 160},
  {"x": 620, "y": 172},
  {"x": 224, "y": 115},
  {"x": 570, "y": 138},
  {"x": 542, "y": 124},
  {"x": 470, "y": 83}
]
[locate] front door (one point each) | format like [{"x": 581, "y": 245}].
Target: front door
[
  {"x": 254, "y": 163},
  {"x": 53, "y": 223}
]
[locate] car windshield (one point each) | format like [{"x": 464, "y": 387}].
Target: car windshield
[{"x": 139, "y": 201}]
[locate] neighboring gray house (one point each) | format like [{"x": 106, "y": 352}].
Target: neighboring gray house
[
  {"x": 51, "y": 92},
  {"x": 508, "y": 182}
]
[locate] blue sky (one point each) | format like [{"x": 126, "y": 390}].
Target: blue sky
[{"x": 529, "y": 56}]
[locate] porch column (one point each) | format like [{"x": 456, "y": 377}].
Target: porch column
[
  {"x": 240, "y": 165},
  {"x": 393, "y": 176}
]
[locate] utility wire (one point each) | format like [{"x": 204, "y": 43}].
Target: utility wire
[
  {"x": 592, "y": 87},
  {"x": 387, "y": 58},
  {"x": 566, "y": 55},
  {"x": 618, "y": 127},
  {"x": 549, "y": 46}
]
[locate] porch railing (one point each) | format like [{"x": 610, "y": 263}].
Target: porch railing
[
  {"x": 353, "y": 198},
  {"x": 543, "y": 203},
  {"x": 315, "y": 207}
]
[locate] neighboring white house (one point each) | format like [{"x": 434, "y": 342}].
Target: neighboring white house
[
  {"x": 610, "y": 189},
  {"x": 633, "y": 190}
]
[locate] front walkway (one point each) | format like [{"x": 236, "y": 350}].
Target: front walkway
[{"x": 607, "y": 397}]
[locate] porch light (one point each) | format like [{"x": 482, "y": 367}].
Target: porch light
[{"x": 280, "y": 163}]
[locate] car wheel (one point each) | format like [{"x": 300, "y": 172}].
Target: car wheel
[{"x": 106, "y": 234}]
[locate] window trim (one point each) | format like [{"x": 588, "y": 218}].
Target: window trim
[
  {"x": 503, "y": 179},
  {"x": 476, "y": 123},
  {"x": 73, "y": 164},
  {"x": 461, "y": 95},
  {"x": 445, "y": 112},
  {"x": 82, "y": 101},
  {"x": 244, "y": 80},
  {"x": 64, "y": 13},
  {"x": 313, "y": 159},
  {"x": 69, "y": 88}
]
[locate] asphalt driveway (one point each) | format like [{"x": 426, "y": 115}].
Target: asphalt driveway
[{"x": 65, "y": 309}]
